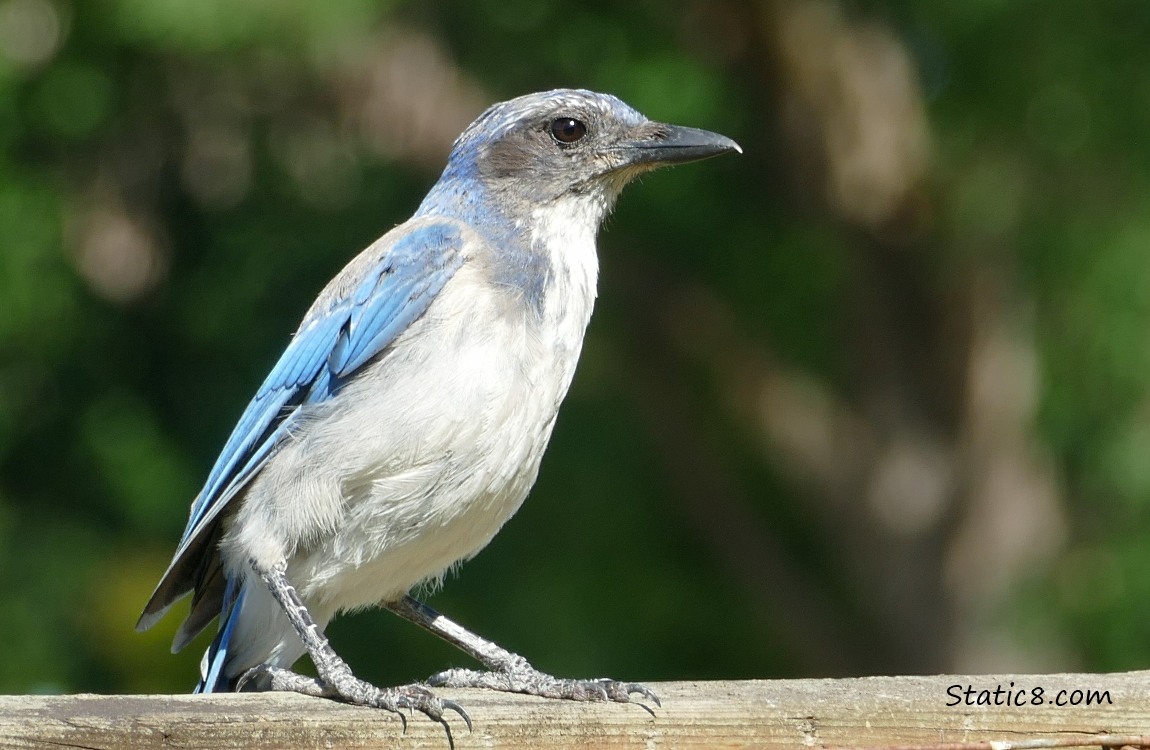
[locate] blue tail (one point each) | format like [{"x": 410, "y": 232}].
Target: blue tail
[{"x": 212, "y": 678}]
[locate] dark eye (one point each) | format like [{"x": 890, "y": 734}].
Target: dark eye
[{"x": 568, "y": 129}]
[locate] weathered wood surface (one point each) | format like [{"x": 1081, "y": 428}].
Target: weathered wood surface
[{"x": 874, "y": 711}]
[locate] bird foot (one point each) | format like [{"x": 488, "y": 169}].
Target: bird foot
[
  {"x": 521, "y": 677},
  {"x": 342, "y": 685}
]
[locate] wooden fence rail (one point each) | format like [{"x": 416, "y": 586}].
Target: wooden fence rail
[{"x": 1010, "y": 711}]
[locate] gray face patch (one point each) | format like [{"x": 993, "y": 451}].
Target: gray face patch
[{"x": 544, "y": 154}]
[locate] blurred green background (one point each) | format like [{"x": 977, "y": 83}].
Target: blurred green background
[{"x": 873, "y": 397}]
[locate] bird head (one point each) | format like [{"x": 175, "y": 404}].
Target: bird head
[{"x": 540, "y": 148}]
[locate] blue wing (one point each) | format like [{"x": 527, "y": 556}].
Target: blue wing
[{"x": 355, "y": 319}]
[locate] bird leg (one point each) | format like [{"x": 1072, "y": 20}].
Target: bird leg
[
  {"x": 335, "y": 677},
  {"x": 509, "y": 672}
]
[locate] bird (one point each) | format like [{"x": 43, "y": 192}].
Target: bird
[{"x": 405, "y": 421}]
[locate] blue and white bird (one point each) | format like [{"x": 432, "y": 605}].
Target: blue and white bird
[{"x": 405, "y": 422}]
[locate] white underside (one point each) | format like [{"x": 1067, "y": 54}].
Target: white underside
[{"x": 423, "y": 457}]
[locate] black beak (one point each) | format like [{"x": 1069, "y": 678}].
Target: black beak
[{"x": 673, "y": 144}]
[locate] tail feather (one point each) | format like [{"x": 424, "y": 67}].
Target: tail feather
[
  {"x": 210, "y": 599},
  {"x": 183, "y": 576},
  {"x": 212, "y": 677}
]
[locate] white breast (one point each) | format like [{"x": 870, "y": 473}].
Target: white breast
[
  {"x": 444, "y": 440},
  {"x": 423, "y": 457}
]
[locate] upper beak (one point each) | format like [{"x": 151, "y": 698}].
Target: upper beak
[{"x": 674, "y": 144}]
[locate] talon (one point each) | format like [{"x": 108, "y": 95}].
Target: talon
[
  {"x": 245, "y": 678},
  {"x": 447, "y": 731},
  {"x": 644, "y": 691},
  {"x": 450, "y": 705}
]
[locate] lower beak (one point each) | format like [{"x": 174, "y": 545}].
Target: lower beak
[{"x": 674, "y": 144}]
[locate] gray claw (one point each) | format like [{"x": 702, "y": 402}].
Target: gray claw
[
  {"x": 449, "y": 705},
  {"x": 447, "y": 731},
  {"x": 597, "y": 688},
  {"x": 646, "y": 692}
]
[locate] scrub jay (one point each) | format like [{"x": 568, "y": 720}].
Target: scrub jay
[{"x": 405, "y": 422}]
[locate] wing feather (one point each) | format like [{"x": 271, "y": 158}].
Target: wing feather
[{"x": 362, "y": 312}]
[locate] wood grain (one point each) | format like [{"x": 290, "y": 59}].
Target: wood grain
[{"x": 871, "y": 711}]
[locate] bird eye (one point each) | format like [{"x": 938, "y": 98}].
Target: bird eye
[{"x": 568, "y": 129}]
